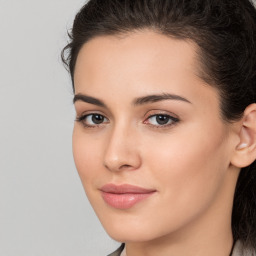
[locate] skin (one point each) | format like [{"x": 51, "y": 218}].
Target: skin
[{"x": 187, "y": 162}]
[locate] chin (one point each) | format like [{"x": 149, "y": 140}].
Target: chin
[
  {"x": 132, "y": 236},
  {"x": 133, "y": 231}
]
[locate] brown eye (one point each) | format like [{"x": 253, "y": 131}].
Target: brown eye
[
  {"x": 92, "y": 120},
  {"x": 97, "y": 119},
  {"x": 162, "y": 120}
]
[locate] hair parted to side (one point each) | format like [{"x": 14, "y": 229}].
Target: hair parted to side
[{"x": 225, "y": 33}]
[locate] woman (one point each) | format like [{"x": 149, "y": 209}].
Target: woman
[{"x": 165, "y": 135}]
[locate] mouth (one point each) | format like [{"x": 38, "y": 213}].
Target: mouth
[{"x": 124, "y": 196}]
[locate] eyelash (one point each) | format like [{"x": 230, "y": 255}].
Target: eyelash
[{"x": 171, "y": 120}]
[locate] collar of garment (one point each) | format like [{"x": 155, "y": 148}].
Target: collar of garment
[{"x": 239, "y": 250}]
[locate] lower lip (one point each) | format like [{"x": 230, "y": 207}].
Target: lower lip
[{"x": 124, "y": 201}]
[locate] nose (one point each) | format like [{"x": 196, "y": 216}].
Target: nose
[{"x": 122, "y": 152}]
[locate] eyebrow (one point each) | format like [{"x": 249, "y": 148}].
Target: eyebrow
[
  {"x": 88, "y": 99},
  {"x": 158, "y": 97},
  {"x": 138, "y": 101}
]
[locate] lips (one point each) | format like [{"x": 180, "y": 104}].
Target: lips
[{"x": 124, "y": 196}]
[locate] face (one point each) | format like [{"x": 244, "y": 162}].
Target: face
[{"x": 149, "y": 144}]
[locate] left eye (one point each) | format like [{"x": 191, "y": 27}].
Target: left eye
[{"x": 161, "y": 120}]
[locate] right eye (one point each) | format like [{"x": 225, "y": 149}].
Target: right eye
[{"x": 92, "y": 120}]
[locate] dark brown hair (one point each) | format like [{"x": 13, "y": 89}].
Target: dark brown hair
[{"x": 225, "y": 32}]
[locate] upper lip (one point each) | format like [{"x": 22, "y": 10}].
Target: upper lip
[{"x": 125, "y": 189}]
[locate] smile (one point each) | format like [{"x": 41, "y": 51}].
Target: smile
[{"x": 124, "y": 196}]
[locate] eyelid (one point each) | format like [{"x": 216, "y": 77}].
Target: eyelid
[
  {"x": 154, "y": 112},
  {"x": 80, "y": 114}
]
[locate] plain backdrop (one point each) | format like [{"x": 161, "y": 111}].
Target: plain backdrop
[{"x": 43, "y": 208}]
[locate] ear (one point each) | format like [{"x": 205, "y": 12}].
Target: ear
[{"x": 245, "y": 151}]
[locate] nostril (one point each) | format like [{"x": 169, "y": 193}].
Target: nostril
[
  {"x": 125, "y": 166},
  {"x": 113, "y": 167}
]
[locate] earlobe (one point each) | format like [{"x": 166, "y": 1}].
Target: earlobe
[
  {"x": 245, "y": 151},
  {"x": 245, "y": 139}
]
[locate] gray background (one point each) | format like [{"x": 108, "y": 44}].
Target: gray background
[{"x": 43, "y": 209}]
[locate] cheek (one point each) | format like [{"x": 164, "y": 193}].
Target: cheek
[
  {"x": 86, "y": 154},
  {"x": 189, "y": 168}
]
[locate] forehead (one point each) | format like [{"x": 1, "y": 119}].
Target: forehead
[
  {"x": 136, "y": 52},
  {"x": 146, "y": 62}
]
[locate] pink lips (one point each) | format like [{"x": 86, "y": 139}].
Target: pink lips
[{"x": 124, "y": 196}]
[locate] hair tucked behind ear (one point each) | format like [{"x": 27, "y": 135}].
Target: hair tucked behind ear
[{"x": 224, "y": 30}]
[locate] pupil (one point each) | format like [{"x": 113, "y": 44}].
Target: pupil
[
  {"x": 162, "y": 119},
  {"x": 97, "y": 119}
]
